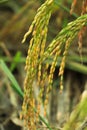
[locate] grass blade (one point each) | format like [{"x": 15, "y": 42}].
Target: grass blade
[{"x": 11, "y": 78}]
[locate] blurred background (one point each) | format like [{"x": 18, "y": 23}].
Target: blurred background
[{"x": 15, "y": 19}]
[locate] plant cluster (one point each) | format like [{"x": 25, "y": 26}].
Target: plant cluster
[{"x": 38, "y": 53}]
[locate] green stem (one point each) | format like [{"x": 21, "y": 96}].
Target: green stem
[
  {"x": 7, "y": 59},
  {"x": 71, "y": 63},
  {"x": 23, "y": 59},
  {"x": 78, "y": 67},
  {"x": 65, "y": 8}
]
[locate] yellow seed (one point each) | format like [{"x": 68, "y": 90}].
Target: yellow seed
[
  {"x": 50, "y": 2},
  {"x": 46, "y": 101},
  {"x": 61, "y": 87}
]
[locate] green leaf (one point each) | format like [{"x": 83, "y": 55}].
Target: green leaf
[
  {"x": 2, "y": 1},
  {"x": 16, "y": 60},
  {"x": 8, "y": 73}
]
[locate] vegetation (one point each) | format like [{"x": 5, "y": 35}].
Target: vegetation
[{"x": 45, "y": 56}]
